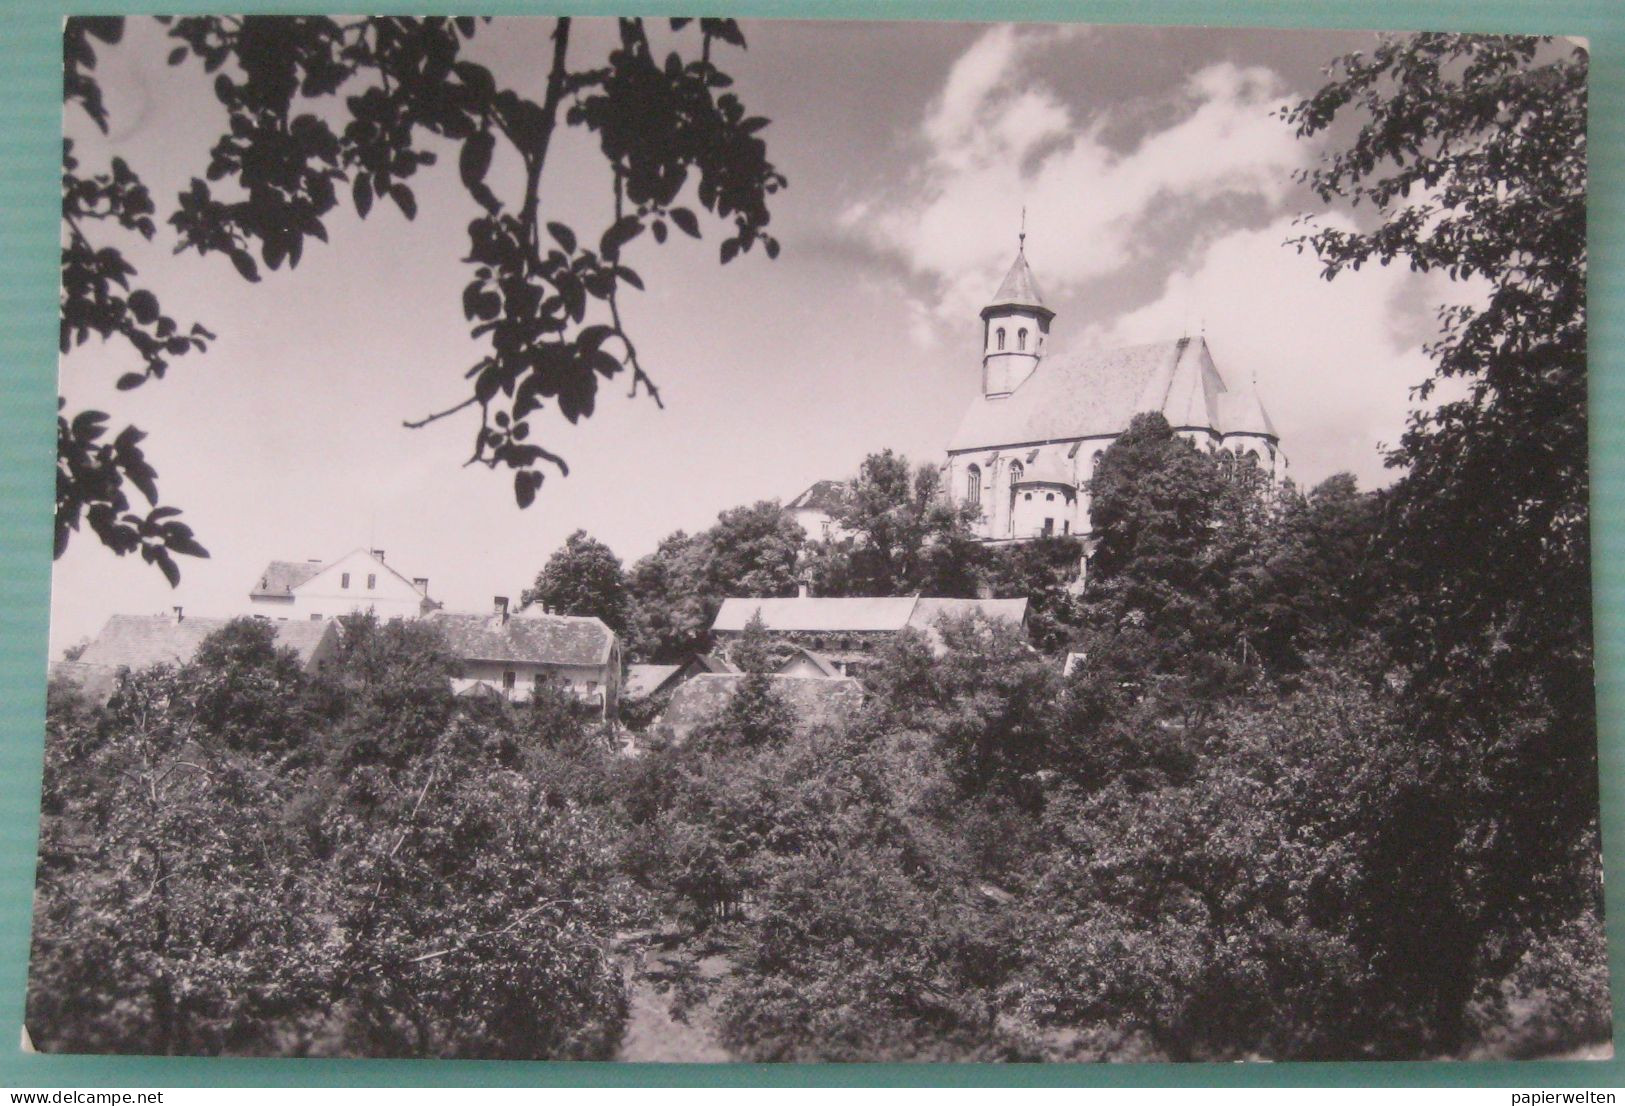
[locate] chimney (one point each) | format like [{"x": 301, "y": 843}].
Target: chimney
[
  {"x": 499, "y": 607},
  {"x": 421, "y": 583},
  {"x": 379, "y": 553},
  {"x": 179, "y": 614}
]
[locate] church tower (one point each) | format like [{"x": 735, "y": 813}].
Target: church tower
[{"x": 1015, "y": 327}]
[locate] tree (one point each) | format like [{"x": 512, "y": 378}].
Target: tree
[
  {"x": 583, "y": 577},
  {"x": 1471, "y": 149},
  {"x": 903, "y": 535},
  {"x": 323, "y": 110},
  {"x": 678, "y": 589}
]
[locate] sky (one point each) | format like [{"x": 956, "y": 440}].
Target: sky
[{"x": 1159, "y": 191}]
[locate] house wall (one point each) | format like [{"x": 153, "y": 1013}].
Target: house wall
[{"x": 596, "y": 684}]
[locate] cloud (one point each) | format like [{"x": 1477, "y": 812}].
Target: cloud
[
  {"x": 1334, "y": 360},
  {"x": 995, "y": 138}
]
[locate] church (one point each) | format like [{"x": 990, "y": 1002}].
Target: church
[{"x": 1029, "y": 443}]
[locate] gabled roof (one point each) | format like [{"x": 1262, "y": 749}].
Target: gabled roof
[
  {"x": 281, "y": 577},
  {"x": 813, "y": 614},
  {"x": 1097, "y": 394},
  {"x": 525, "y": 638},
  {"x": 817, "y": 660},
  {"x": 137, "y": 641},
  {"x": 813, "y": 700},
  {"x": 824, "y": 495},
  {"x": 1018, "y": 289}
]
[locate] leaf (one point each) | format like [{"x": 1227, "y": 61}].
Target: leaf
[
  {"x": 361, "y": 191},
  {"x": 475, "y": 159},
  {"x": 730, "y": 250},
  {"x": 171, "y": 571},
  {"x": 177, "y": 55},
  {"x": 408, "y": 203},
  {"x": 143, "y": 305},
  {"x": 245, "y": 265},
  {"x": 563, "y": 235},
  {"x": 624, "y": 229},
  {"x": 130, "y": 380},
  {"x": 659, "y": 229},
  {"x": 685, "y": 220},
  {"x": 524, "y": 487}
]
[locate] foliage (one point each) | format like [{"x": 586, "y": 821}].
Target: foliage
[
  {"x": 900, "y": 534},
  {"x": 678, "y": 589},
  {"x": 582, "y": 577},
  {"x": 323, "y": 110},
  {"x": 1472, "y": 151}
]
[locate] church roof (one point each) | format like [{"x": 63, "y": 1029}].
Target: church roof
[
  {"x": 1020, "y": 288},
  {"x": 1097, "y": 394}
]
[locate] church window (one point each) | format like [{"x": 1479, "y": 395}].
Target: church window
[
  {"x": 1001, "y": 337},
  {"x": 1021, "y": 338},
  {"x": 1227, "y": 464},
  {"x": 973, "y": 485},
  {"x": 1252, "y": 458},
  {"x": 1016, "y": 472},
  {"x": 1049, "y": 497},
  {"x": 1094, "y": 462},
  {"x": 1028, "y": 497}
]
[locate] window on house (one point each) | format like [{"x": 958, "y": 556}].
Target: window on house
[
  {"x": 508, "y": 679},
  {"x": 538, "y": 682},
  {"x": 1066, "y": 526},
  {"x": 1028, "y": 497},
  {"x": 344, "y": 580},
  {"x": 973, "y": 485},
  {"x": 1021, "y": 338},
  {"x": 1000, "y": 334},
  {"x": 1049, "y": 527},
  {"x": 1049, "y": 497},
  {"x": 372, "y": 581}
]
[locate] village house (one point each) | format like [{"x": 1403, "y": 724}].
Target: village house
[
  {"x": 815, "y": 509},
  {"x": 131, "y": 642},
  {"x": 1028, "y": 445},
  {"x": 357, "y": 582},
  {"x": 842, "y": 631},
  {"x": 515, "y": 655}
]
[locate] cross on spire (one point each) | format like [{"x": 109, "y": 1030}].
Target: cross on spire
[{"x": 1021, "y": 239}]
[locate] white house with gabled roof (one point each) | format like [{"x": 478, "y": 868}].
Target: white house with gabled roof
[{"x": 357, "y": 582}]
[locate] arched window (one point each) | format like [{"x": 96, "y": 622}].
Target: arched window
[
  {"x": 1000, "y": 333},
  {"x": 1021, "y": 338},
  {"x": 1252, "y": 458},
  {"x": 1016, "y": 472},
  {"x": 973, "y": 485},
  {"x": 1094, "y": 462},
  {"x": 1227, "y": 464}
]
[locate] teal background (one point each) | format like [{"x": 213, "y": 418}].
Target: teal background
[{"x": 30, "y": 135}]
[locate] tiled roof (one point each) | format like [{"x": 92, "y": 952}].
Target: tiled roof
[
  {"x": 281, "y": 577},
  {"x": 825, "y": 495},
  {"x": 815, "y": 701},
  {"x": 139, "y": 641},
  {"x": 525, "y": 638},
  {"x": 1097, "y": 394},
  {"x": 645, "y": 679},
  {"x": 1019, "y": 288},
  {"x": 814, "y": 614},
  {"x": 1243, "y": 413}
]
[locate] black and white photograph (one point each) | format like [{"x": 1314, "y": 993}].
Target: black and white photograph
[{"x": 711, "y": 540}]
